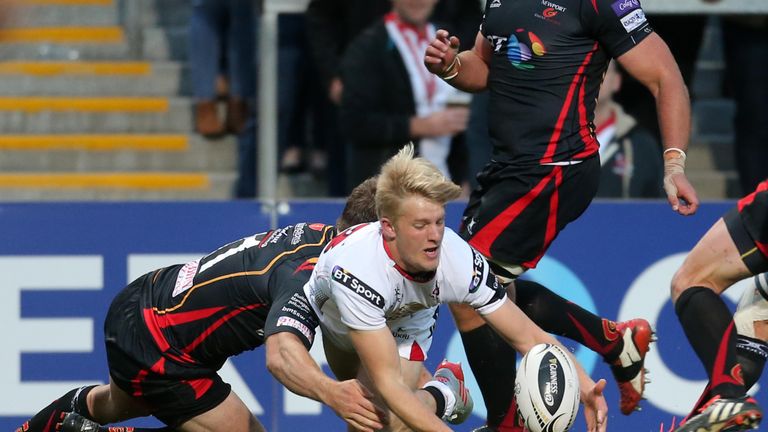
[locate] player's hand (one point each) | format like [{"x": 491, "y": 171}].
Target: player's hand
[
  {"x": 354, "y": 404},
  {"x": 595, "y": 407},
  {"x": 441, "y": 52},
  {"x": 680, "y": 193}
]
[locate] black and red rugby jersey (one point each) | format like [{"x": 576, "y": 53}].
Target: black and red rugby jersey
[
  {"x": 221, "y": 305},
  {"x": 549, "y": 58}
]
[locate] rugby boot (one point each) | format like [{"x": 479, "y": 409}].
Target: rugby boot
[
  {"x": 452, "y": 376},
  {"x": 724, "y": 414},
  {"x": 628, "y": 369},
  {"x": 74, "y": 422}
]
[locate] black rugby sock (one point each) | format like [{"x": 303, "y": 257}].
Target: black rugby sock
[
  {"x": 46, "y": 419},
  {"x": 752, "y": 354},
  {"x": 708, "y": 325},
  {"x": 561, "y": 317},
  {"x": 492, "y": 361}
]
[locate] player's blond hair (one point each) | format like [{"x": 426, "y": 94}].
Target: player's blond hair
[{"x": 404, "y": 175}]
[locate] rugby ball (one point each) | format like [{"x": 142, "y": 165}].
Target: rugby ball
[{"x": 547, "y": 389}]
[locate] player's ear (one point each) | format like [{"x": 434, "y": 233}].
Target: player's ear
[{"x": 387, "y": 229}]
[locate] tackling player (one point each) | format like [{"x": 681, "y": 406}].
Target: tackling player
[{"x": 168, "y": 333}]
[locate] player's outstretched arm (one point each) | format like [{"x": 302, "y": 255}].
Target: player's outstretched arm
[
  {"x": 523, "y": 334},
  {"x": 290, "y": 363},
  {"x": 380, "y": 359},
  {"x": 466, "y": 70}
]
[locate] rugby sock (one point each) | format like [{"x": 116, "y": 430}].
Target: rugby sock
[
  {"x": 492, "y": 361},
  {"x": 708, "y": 325},
  {"x": 559, "y": 316},
  {"x": 752, "y": 354},
  {"x": 45, "y": 420}
]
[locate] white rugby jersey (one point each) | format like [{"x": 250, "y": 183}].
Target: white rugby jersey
[{"x": 355, "y": 284}]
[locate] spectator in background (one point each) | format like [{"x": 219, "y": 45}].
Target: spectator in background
[
  {"x": 222, "y": 32},
  {"x": 390, "y": 97},
  {"x": 630, "y": 160},
  {"x": 332, "y": 25},
  {"x": 745, "y": 50}
]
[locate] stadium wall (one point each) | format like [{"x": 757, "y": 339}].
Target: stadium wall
[{"x": 61, "y": 263}]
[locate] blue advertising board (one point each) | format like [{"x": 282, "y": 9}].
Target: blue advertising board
[{"x": 61, "y": 264}]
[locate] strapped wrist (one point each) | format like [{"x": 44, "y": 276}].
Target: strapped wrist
[
  {"x": 675, "y": 149},
  {"x": 452, "y": 70}
]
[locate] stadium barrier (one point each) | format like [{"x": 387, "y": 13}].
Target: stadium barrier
[{"x": 61, "y": 264}]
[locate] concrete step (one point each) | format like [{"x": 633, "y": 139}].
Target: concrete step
[
  {"x": 713, "y": 116},
  {"x": 65, "y": 78},
  {"x": 58, "y": 51},
  {"x": 165, "y": 43},
  {"x": 116, "y": 186},
  {"x": 712, "y": 152},
  {"x": 95, "y": 115},
  {"x": 715, "y": 184},
  {"x": 165, "y": 13},
  {"x": 41, "y": 14},
  {"x": 109, "y": 153}
]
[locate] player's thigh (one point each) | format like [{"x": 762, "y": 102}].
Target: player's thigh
[
  {"x": 110, "y": 404},
  {"x": 344, "y": 364},
  {"x": 715, "y": 263},
  {"x": 229, "y": 416}
]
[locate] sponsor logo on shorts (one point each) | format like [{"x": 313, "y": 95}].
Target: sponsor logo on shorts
[
  {"x": 357, "y": 286},
  {"x": 622, "y": 7},
  {"x": 290, "y": 322},
  {"x": 634, "y": 20}
]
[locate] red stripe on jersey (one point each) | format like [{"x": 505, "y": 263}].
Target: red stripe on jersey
[
  {"x": 154, "y": 330},
  {"x": 553, "y": 140},
  {"x": 207, "y": 332},
  {"x": 590, "y": 142},
  {"x": 551, "y": 231},
  {"x": 594, "y": 5},
  {"x": 749, "y": 199},
  {"x": 417, "y": 354},
  {"x": 200, "y": 386},
  {"x": 307, "y": 265},
  {"x": 484, "y": 238},
  {"x": 168, "y": 320}
]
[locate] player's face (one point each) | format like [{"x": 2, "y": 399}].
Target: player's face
[
  {"x": 414, "y": 11},
  {"x": 419, "y": 232}
]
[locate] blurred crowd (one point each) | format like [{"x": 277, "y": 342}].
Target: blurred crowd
[{"x": 352, "y": 89}]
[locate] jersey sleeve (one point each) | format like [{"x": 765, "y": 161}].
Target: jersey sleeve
[
  {"x": 618, "y": 25},
  {"x": 361, "y": 307},
  {"x": 290, "y": 310},
  {"x": 472, "y": 280}
]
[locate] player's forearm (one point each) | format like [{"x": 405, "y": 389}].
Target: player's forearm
[
  {"x": 290, "y": 363},
  {"x": 674, "y": 111},
  {"x": 472, "y": 75}
]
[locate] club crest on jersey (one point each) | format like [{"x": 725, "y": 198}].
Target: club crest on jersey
[
  {"x": 478, "y": 268},
  {"x": 357, "y": 286}
]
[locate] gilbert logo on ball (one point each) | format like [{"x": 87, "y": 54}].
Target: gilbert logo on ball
[{"x": 547, "y": 389}]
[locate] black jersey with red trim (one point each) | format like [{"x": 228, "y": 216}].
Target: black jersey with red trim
[
  {"x": 207, "y": 310},
  {"x": 549, "y": 58}
]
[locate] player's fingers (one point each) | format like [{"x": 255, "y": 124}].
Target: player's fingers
[
  {"x": 454, "y": 42},
  {"x": 599, "y": 387}
]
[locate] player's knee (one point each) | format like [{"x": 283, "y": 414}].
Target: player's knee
[{"x": 681, "y": 281}]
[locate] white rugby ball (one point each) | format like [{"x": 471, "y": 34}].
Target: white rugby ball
[{"x": 547, "y": 389}]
